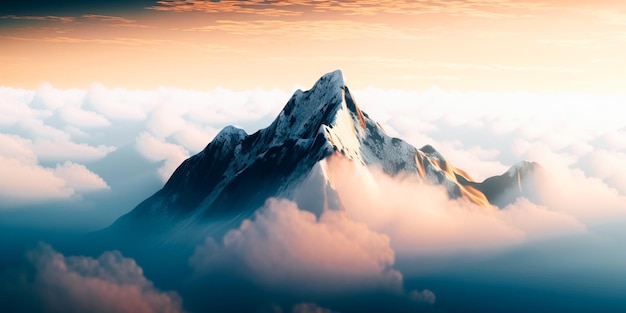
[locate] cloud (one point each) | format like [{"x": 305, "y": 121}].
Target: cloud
[
  {"x": 572, "y": 190},
  {"x": 16, "y": 147},
  {"x": 118, "y": 103},
  {"x": 481, "y": 132},
  {"x": 317, "y": 29},
  {"x": 609, "y": 166},
  {"x": 421, "y": 220},
  {"x": 156, "y": 150},
  {"x": 42, "y": 130},
  {"x": 568, "y": 43},
  {"x": 24, "y": 181},
  {"x": 285, "y": 248},
  {"x": 110, "y": 283},
  {"x": 309, "y": 308},
  {"x": 486, "y": 132},
  {"x": 163, "y": 121},
  {"x": 425, "y": 296},
  {"x": 32, "y": 115},
  {"x": 244, "y": 7},
  {"x": 79, "y": 178},
  {"x": 52, "y": 18},
  {"x": 477, "y": 9},
  {"x": 113, "y": 21},
  {"x": 61, "y": 149},
  {"x": 81, "y": 118}
]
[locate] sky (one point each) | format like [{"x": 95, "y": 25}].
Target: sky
[{"x": 531, "y": 45}]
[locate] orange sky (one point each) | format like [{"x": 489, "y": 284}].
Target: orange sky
[{"x": 491, "y": 45}]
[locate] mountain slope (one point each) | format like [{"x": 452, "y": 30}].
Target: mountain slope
[
  {"x": 521, "y": 180},
  {"x": 237, "y": 172}
]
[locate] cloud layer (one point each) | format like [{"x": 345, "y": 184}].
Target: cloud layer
[
  {"x": 287, "y": 249},
  {"x": 55, "y": 142},
  {"x": 60, "y": 144},
  {"x": 480, "y": 9}
]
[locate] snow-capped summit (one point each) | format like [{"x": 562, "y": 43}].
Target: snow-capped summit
[{"x": 237, "y": 172}]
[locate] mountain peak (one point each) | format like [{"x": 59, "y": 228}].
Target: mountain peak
[
  {"x": 334, "y": 78},
  {"x": 230, "y": 132},
  {"x": 522, "y": 167},
  {"x": 237, "y": 172},
  {"x": 327, "y": 103}
]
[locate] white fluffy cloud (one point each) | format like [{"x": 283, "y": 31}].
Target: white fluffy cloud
[
  {"x": 63, "y": 149},
  {"x": 156, "y": 149},
  {"x": 120, "y": 104},
  {"x": 24, "y": 181},
  {"x": 110, "y": 283},
  {"x": 15, "y": 147},
  {"x": 480, "y": 132},
  {"x": 285, "y": 248},
  {"x": 79, "y": 117},
  {"x": 42, "y": 130},
  {"x": 610, "y": 166},
  {"x": 79, "y": 178}
]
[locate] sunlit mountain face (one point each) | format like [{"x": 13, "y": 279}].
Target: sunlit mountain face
[{"x": 192, "y": 156}]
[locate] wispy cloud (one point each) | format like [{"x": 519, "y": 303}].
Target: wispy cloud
[
  {"x": 611, "y": 16},
  {"x": 48, "y": 18},
  {"x": 575, "y": 43},
  {"x": 265, "y": 8},
  {"x": 113, "y": 21},
  {"x": 110, "y": 20},
  {"x": 501, "y": 67},
  {"x": 317, "y": 29},
  {"x": 130, "y": 42},
  {"x": 110, "y": 41},
  {"x": 330, "y": 58},
  {"x": 480, "y": 9}
]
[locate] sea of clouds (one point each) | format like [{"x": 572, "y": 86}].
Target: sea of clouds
[
  {"x": 52, "y": 138},
  {"x": 63, "y": 145}
]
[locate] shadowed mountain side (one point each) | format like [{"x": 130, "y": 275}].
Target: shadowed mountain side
[{"x": 521, "y": 180}]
